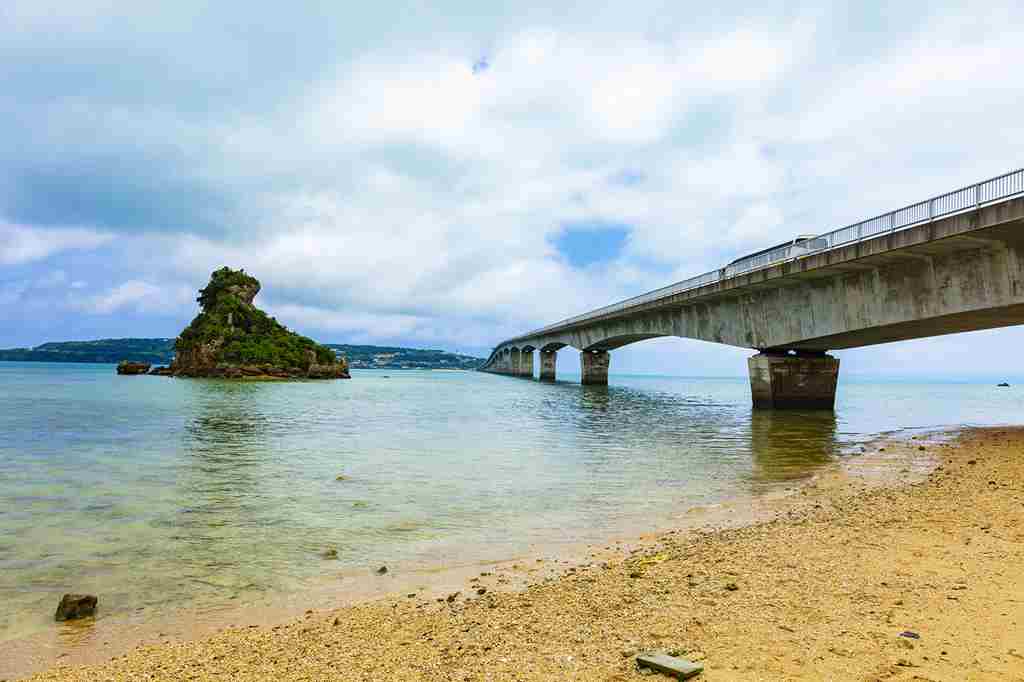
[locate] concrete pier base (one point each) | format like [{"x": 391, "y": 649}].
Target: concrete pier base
[
  {"x": 805, "y": 381},
  {"x": 526, "y": 364},
  {"x": 547, "y": 365},
  {"x": 594, "y": 367}
]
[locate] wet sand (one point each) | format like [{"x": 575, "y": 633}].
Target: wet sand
[{"x": 927, "y": 542}]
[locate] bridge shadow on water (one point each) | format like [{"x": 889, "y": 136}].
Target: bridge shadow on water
[{"x": 697, "y": 424}]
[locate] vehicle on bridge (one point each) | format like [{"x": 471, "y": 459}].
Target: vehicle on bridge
[
  {"x": 804, "y": 242},
  {"x": 800, "y": 245}
]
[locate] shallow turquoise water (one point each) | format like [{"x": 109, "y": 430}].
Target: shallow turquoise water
[{"x": 150, "y": 490}]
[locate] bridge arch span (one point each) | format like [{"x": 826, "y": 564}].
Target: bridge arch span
[{"x": 618, "y": 341}]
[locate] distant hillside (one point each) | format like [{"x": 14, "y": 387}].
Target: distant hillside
[
  {"x": 390, "y": 357},
  {"x": 161, "y": 352},
  {"x": 153, "y": 351}
]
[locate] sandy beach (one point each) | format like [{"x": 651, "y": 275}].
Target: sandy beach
[{"x": 903, "y": 564}]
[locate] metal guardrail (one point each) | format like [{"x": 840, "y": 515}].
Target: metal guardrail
[{"x": 968, "y": 198}]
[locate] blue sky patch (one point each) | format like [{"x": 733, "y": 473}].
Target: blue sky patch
[{"x": 585, "y": 244}]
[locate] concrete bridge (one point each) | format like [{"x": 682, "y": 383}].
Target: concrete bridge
[{"x": 949, "y": 264}]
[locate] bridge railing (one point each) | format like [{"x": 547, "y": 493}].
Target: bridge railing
[{"x": 1000, "y": 188}]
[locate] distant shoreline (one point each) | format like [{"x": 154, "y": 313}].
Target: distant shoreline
[{"x": 160, "y": 351}]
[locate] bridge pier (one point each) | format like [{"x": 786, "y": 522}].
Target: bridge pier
[
  {"x": 526, "y": 364},
  {"x": 547, "y": 365},
  {"x": 781, "y": 381},
  {"x": 594, "y": 367}
]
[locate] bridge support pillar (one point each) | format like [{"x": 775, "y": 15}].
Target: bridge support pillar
[
  {"x": 526, "y": 364},
  {"x": 594, "y": 367},
  {"x": 547, "y": 365},
  {"x": 804, "y": 381}
]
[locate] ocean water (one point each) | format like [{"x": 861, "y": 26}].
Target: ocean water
[{"x": 153, "y": 491}]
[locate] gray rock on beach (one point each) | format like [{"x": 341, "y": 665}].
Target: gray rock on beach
[
  {"x": 75, "y": 606},
  {"x": 680, "y": 668}
]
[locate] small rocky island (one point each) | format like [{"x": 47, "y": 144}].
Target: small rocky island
[
  {"x": 131, "y": 368},
  {"x": 231, "y": 338}
]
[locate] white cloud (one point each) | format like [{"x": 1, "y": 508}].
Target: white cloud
[
  {"x": 47, "y": 289},
  {"x": 340, "y": 322},
  {"x": 21, "y": 244},
  {"x": 140, "y": 296},
  {"x": 452, "y": 183}
]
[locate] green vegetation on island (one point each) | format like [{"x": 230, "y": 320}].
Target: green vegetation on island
[{"x": 231, "y": 337}]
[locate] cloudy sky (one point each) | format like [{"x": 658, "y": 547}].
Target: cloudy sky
[{"x": 449, "y": 174}]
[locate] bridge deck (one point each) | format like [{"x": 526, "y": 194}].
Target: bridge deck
[{"x": 950, "y": 225}]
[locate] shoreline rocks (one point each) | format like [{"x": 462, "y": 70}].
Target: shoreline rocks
[{"x": 131, "y": 368}]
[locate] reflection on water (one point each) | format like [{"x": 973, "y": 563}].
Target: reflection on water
[
  {"x": 791, "y": 445},
  {"x": 151, "y": 491},
  {"x": 218, "y": 527}
]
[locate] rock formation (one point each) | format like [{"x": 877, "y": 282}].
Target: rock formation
[
  {"x": 232, "y": 338},
  {"x": 75, "y": 606},
  {"x": 131, "y": 368}
]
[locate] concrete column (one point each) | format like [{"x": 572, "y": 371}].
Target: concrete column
[
  {"x": 547, "y": 365},
  {"x": 516, "y": 359},
  {"x": 594, "y": 367},
  {"x": 806, "y": 381},
  {"x": 526, "y": 364}
]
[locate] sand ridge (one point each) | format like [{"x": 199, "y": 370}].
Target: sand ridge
[{"x": 822, "y": 591}]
